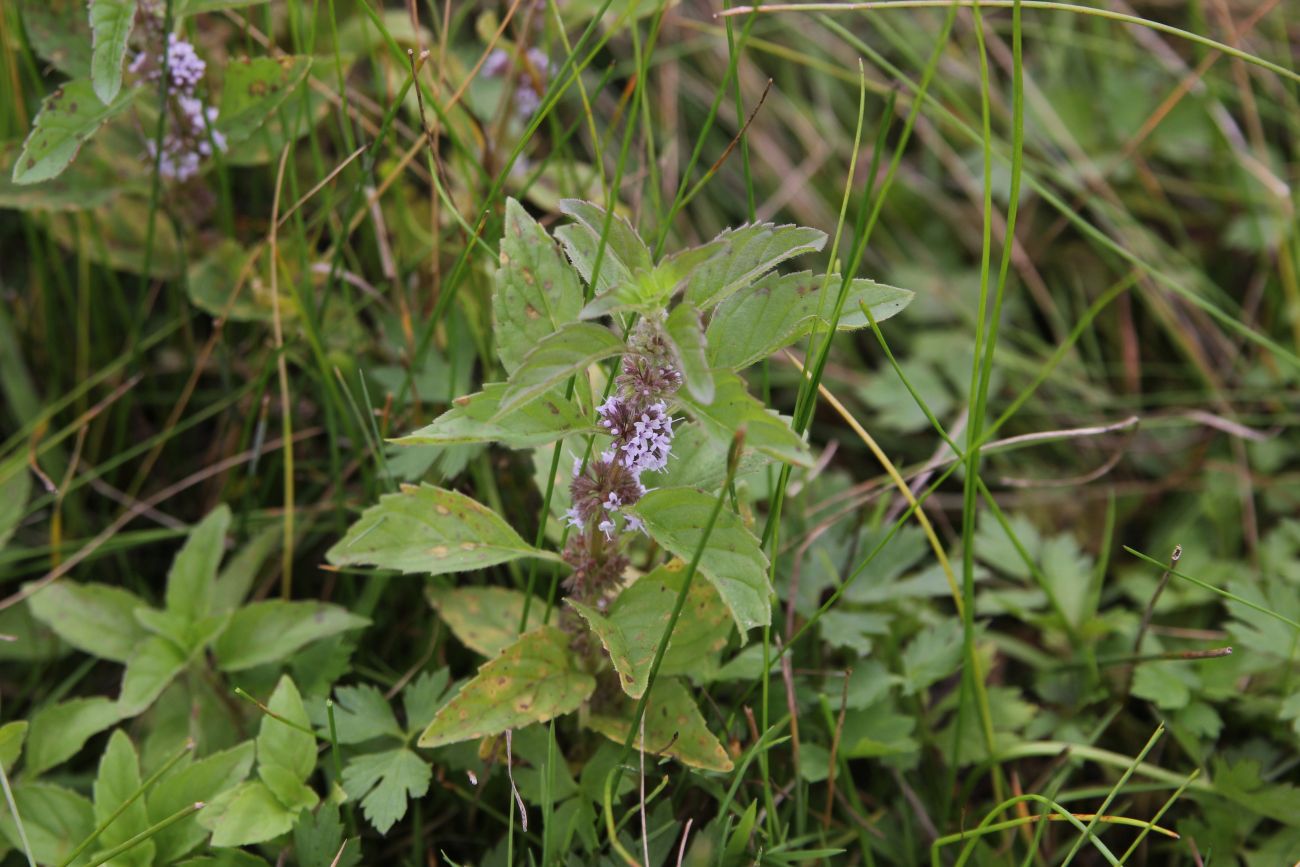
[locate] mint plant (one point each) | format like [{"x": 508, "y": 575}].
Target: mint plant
[{"x": 623, "y": 373}]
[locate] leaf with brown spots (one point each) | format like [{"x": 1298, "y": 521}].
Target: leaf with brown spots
[
  {"x": 635, "y": 625},
  {"x": 532, "y": 680},
  {"x": 485, "y": 619},
  {"x": 535, "y": 291},
  {"x": 67, "y": 118},
  {"x": 781, "y": 308},
  {"x": 751, "y": 252},
  {"x": 473, "y": 420},
  {"x": 433, "y": 531},
  {"x": 256, "y": 87},
  {"x": 673, "y": 727}
]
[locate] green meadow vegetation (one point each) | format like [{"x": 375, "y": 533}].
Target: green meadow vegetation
[{"x": 649, "y": 433}]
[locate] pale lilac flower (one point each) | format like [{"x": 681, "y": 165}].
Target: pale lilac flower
[{"x": 496, "y": 63}]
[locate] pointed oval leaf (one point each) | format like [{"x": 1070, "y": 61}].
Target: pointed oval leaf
[
  {"x": 116, "y": 784},
  {"x": 194, "y": 571},
  {"x": 473, "y": 419},
  {"x": 732, "y": 560},
  {"x": 779, "y": 309},
  {"x": 683, "y": 326},
  {"x": 200, "y": 781},
  {"x": 733, "y": 406},
  {"x": 615, "y": 286},
  {"x": 280, "y": 744},
  {"x": 110, "y": 28},
  {"x": 55, "y": 820},
  {"x": 67, "y": 118},
  {"x": 96, "y": 618},
  {"x": 753, "y": 250},
  {"x": 569, "y": 351},
  {"x": 485, "y": 619},
  {"x": 430, "y": 530},
  {"x": 532, "y": 680},
  {"x": 272, "y": 630},
  {"x": 255, "y": 87},
  {"x": 155, "y": 663},
  {"x": 59, "y": 33},
  {"x": 247, "y": 814},
  {"x": 535, "y": 292},
  {"x": 59, "y": 731},
  {"x": 673, "y": 726},
  {"x": 623, "y": 245}
]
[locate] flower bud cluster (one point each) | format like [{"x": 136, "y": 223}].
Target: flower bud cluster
[
  {"x": 640, "y": 429},
  {"x": 191, "y": 134}
]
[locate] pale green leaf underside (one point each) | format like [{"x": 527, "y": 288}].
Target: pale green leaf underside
[
  {"x": 673, "y": 726},
  {"x": 67, "y": 118},
  {"x": 732, "y": 407},
  {"x": 473, "y": 419},
  {"x": 430, "y": 530},
  {"x": 732, "y": 559},
  {"x": 569, "y": 351},
  {"x": 485, "y": 619},
  {"x": 780, "y": 309},
  {"x": 532, "y": 680},
  {"x": 110, "y": 27}
]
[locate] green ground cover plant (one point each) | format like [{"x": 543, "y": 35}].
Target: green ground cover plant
[{"x": 649, "y": 432}]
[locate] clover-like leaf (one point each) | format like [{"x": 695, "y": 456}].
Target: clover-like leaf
[
  {"x": 485, "y": 619},
  {"x": 752, "y": 251},
  {"x": 569, "y": 351},
  {"x": 110, "y": 27},
  {"x": 474, "y": 419},
  {"x": 532, "y": 680},
  {"x": 673, "y": 726},
  {"x": 67, "y": 118},
  {"x": 733, "y": 407},
  {"x": 635, "y": 625},
  {"x": 732, "y": 559},
  {"x": 781, "y": 308},
  {"x": 535, "y": 292},
  {"x": 430, "y": 530}
]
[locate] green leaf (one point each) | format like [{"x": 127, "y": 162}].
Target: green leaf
[
  {"x": 567, "y": 352},
  {"x": 430, "y": 530},
  {"x": 732, "y": 560},
  {"x": 12, "y": 736},
  {"x": 254, "y": 88},
  {"x": 155, "y": 664},
  {"x": 318, "y": 839},
  {"x": 779, "y": 309},
  {"x": 615, "y": 286},
  {"x": 485, "y": 619},
  {"x": 361, "y": 713},
  {"x": 15, "y": 488},
  {"x": 118, "y": 780},
  {"x": 422, "y": 698},
  {"x": 94, "y": 618},
  {"x": 67, "y": 118},
  {"x": 535, "y": 291},
  {"x": 234, "y": 581},
  {"x": 263, "y": 632},
  {"x": 203, "y": 781},
  {"x": 732, "y": 407},
  {"x": 752, "y": 251},
  {"x": 246, "y": 814},
  {"x": 687, "y": 336},
  {"x": 59, "y": 33},
  {"x": 636, "y": 621},
  {"x": 1167, "y": 684},
  {"x": 477, "y": 418},
  {"x": 673, "y": 726},
  {"x": 55, "y": 819},
  {"x": 700, "y": 460},
  {"x": 194, "y": 571},
  {"x": 59, "y": 731},
  {"x": 110, "y": 27},
  {"x": 622, "y": 243},
  {"x": 931, "y": 655},
  {"x": 292, "y": 793},
  {"x": 195, "y": 7},
  {"x": 532, "y": 680},
  {"x": 384, "y": 781},
  {"x": 281, "y": 745}
]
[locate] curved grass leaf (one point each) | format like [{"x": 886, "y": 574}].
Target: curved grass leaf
[
  {"x": 753, "y": 250},
  {"x": 779, "y": 309},
  {"x": 485, "y": 619},
  {"x": 473, "y": 419},
  {"x": 572, "y": 349},
  {"x": 535, "y": 292},
  {"x": 110, "y": 28},
  {"x": 733, "y": 406},
  {"x": 430, "y": 530},
  {"x": 732, "y": 559},
  {"x": 532, "y": 680},
  {"x": 67, "y": 118},
  {"x": 673, "y": 727}
]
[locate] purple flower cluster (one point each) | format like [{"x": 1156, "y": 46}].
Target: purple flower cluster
[
  {"x": 191, "y": 132},
  {"x": 535, "y": 69}
]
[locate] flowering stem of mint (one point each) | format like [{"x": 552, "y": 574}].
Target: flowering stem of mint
[{"x": 733, "y": 459}]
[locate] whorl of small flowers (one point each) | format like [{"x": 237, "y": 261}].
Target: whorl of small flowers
[
  {"x": 184, "y": 66},
  {"x": 643, "y": 434},
  {"x": 191, "y": 134},
  {"x": 607, "y": 486}
]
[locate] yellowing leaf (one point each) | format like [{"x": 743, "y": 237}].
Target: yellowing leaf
[
  {"x": 485, "y": 619},
  {"x": 673, "y": 726}
]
